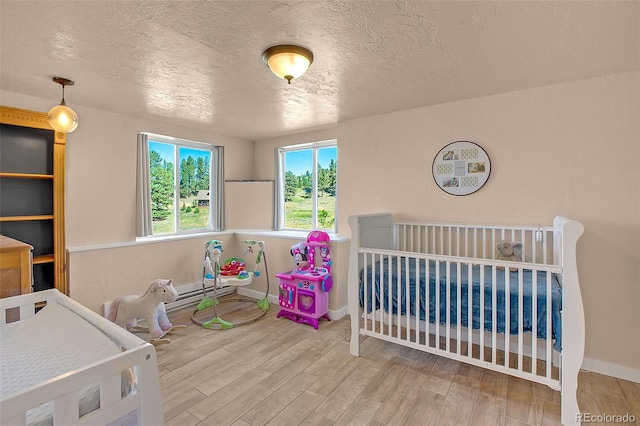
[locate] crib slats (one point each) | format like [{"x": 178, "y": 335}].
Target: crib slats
[
  {"x": 408, "y": 301},
  {"x": 548, "y": 326},
  {"x": 365, "y": 289},
  {"x": 520, "y": 317},
  {"x": 484, "y": 245},
  {"x": 389, "y": 292},
  {"x": 395, "y": 319},
  {"x": 534, "y": 321},
  {"x": 427, "y": 305},
  {"x": 376, "y": 286},
  {"x": 472, "y": 241},
  {"x": 459, "y": 308},
  {"x": 447, "y": 311},
  {"x": 416, "y": 302},
  {"x": 482, "y": 314},
  {"x": 398, "y": 284},
  {"x": 492, "y": 343},
  {"x": 493, "y": 241},
  {"x": 494, "y": 312},
  {"x": 470, "y": 313},
  {"x": 382, "y": 292},
  {"x": 507, "y": 318},
  {"x": 437, "y": 308}
]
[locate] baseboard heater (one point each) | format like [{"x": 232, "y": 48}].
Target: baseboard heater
[{"x": 191, "y": 295}]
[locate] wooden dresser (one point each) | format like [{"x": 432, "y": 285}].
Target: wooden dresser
[{"x": 15, "y": 267}]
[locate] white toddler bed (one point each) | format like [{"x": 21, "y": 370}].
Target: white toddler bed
[
  {"x": 438, "y": 287},
  {"x": 63, "y": 364}
]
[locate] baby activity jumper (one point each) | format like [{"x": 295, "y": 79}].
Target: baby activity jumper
[{"x": 232, "y": 272}]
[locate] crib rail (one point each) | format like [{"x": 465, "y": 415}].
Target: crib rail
[
  {"x": 547, "y": 251},
  {"x": 396, "y": 309},
  {"x": 477, "y": 241}
]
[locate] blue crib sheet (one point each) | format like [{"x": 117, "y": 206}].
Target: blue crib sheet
[{"x": 391, "y": 272}]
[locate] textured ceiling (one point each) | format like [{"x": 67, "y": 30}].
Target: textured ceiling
[{"x": 198, "y": 63}]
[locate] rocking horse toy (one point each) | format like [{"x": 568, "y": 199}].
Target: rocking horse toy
[{"x": 125, "y": 311}]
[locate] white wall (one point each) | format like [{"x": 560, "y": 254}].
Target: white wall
[
  {"x": 250, "y": 204},
  {"x": 571, "y": 149}
]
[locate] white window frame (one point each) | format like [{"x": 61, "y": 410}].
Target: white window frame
[
  {"x": 216, "y": 185},
  {"x": 280, "y": 182}
]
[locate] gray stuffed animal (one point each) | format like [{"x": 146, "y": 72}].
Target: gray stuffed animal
[{"x": 508, "y": 250}]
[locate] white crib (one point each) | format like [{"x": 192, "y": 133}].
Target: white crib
[
  {"x": 91, "y": 394},
  {"x": 437, "y": 287}
]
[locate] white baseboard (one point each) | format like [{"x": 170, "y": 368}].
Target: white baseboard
[
  {"x": 258, "y": 295},
  {"x": 336, "y": 315},
  {"x": 613, "y": 370},
  {"x": 191, "y": 294}
]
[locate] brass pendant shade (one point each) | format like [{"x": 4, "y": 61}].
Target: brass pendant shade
[{"x": 61, "y": 117}]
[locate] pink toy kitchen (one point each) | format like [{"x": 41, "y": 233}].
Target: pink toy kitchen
[{"x": 304, "y": 290}]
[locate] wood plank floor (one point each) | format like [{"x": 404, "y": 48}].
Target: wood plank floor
[{"x": 276, "y": 372}]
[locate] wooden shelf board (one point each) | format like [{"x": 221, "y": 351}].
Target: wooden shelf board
[
  {"x": 45, "y": 258},
  {"x": 25, "y": 218},
  {"x": 25, "y": 175}
]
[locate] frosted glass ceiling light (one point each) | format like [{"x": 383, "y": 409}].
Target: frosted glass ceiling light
[
  {"x": 61, "y": 117},
  {"x": 287, "y": 61}
]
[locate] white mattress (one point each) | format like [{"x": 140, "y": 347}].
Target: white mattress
[{"x": 53, "y": 342}]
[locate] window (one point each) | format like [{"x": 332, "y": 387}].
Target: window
[
  {"x": 307, "y": 186},
  {"x": 179, "y": 184}
]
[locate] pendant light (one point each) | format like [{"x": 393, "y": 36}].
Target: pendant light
[
  {"x": 61, "y": 117},
  {"x": 287, "y": 61}
]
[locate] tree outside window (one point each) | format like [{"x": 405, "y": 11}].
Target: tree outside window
[
  {"x": 309, "y": 186},
  {"x": 180, "y": 198}
]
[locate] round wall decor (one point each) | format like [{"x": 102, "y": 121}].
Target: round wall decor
[{"x": 461, "y": 168}]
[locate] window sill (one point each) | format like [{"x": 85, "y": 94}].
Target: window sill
[
  {"x": 284, "y": 234},
  {"x": 173, "y": 237},
  {"x": 149, "y": 240},
  {"x": 301, "y": 235}
]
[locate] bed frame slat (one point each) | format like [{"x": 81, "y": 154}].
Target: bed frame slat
[{"x": 64, "y": 389}]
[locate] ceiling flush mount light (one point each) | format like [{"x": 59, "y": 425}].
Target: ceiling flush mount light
[
  {"x": 61, "y": 117},
  {"x": 287, "y": 61}
]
